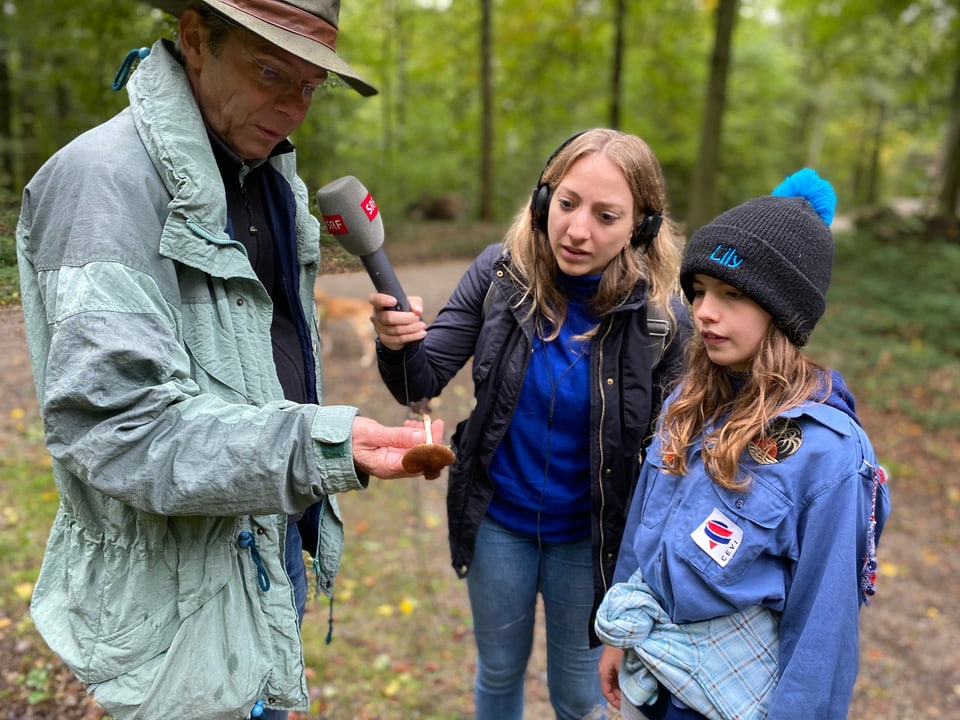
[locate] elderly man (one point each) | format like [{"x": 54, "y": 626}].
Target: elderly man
[{"x": 167, "y": 263}]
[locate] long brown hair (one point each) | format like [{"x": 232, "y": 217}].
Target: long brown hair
[
  {"x": 730, "y": 410},
  {"x": 535, "y": 267}
]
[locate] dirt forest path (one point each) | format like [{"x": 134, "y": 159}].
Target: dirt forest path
[
  {"x": 910, "y": 640},
  {"x": 434, "y": 283}
]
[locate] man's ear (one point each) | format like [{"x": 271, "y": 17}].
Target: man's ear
[{"x": 192, "y": 36}]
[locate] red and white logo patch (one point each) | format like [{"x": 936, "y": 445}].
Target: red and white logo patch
[
  {"x": 719, "y": 537},
  {"x": 369, "y": 207},
  {"x": 336, "y": 225}
]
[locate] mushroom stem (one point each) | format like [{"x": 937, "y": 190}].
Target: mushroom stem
[{"x": 426, "y": 428}]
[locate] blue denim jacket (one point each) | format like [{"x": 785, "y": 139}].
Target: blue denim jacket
[{"x": 795, "y": 542}]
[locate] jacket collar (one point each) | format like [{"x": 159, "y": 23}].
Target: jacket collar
[
  {"x": 636, "y": 299},
  {"x": 174, "y": 134}
]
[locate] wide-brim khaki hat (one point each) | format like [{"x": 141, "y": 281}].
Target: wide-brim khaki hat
[{"x": 305, "y": 28}]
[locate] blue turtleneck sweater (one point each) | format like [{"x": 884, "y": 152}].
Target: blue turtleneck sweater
[{"x": 542, "y": 467}]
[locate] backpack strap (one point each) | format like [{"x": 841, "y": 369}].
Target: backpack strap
[
  {"x": 659, "y": 326},
  {"x": 488, "y": 299}
]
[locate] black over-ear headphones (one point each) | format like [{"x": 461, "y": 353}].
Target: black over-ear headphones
[{"x": 644, "y": 232}]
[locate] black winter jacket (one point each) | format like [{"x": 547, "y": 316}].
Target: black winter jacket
[{"x": 625, "y": 398}]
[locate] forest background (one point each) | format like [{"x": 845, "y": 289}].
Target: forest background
[{"x": 732, "y": 96}]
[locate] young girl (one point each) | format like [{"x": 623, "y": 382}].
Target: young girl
[
  {"x": 750, "y": 543},
  {"x": 565, "y": 322}
]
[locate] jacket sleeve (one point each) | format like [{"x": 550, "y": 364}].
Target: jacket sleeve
[
  {"x": 627, "y": 561},
  {"x": 121, "y": 407},
  {"x": 421, "y": 370},
  {"x": 122, "y": 413},
  {"x": 819, "y": 631}
]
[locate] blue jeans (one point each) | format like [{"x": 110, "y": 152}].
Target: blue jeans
[
  {"x": 297, "y": 572},
  {"x": 507, "y": 572}
]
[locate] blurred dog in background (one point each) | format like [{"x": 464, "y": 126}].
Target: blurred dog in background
[{"x": 350, "y": 312}]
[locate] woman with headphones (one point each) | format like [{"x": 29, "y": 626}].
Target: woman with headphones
[{"x": 576, "y": 329}]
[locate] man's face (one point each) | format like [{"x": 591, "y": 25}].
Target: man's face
[{"x": 251, "y": 93}]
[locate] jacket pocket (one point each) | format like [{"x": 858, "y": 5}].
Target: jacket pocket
[
  {"x": 105, "y": 607},
  {"x": 466, "y": 447},
  {"x": 205, "y": 558},
  {"x": 751, "y": 535},
  {"x": 655, "y": 502}
]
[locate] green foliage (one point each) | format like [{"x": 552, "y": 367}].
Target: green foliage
[
  {"x": 8, "y": 247},
  {"x": 33, "y": 675},
  {"x": 38, "y": 680},
  {"x": 9, "y": 285},
  {"x": 9, "y": 277},
  {"x": 61, "y": 71},
  {"x": 763, "y": 111},
  {"x": 27, "y": 495},
  {"x": 838, "y": 86},
  {"x": 890, "y": 326}
]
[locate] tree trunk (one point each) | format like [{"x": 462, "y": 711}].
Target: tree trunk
[
  {"x": 30, "y": 157},
  {"x": 7, "y": 179},
  {"x": 703, "y": 198},
  {"x": 392, "y": 104},
  {"x": 948, "y": 198},
  {"x": 486, "y": 80},
  {"x": 616, "y": 80},
  {"x": 873, "y": 174}
]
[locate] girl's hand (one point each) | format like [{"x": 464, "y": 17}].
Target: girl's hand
[
  {"x": 609, "y": 669},
  {"x": 393, "y": 327}
]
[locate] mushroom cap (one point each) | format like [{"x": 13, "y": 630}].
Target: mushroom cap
[{"x": 427, "y": 458}]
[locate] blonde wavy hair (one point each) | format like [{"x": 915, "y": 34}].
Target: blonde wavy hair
[
  {"x": 534, "y": 266},
  {"x": 732, "y": 409}
]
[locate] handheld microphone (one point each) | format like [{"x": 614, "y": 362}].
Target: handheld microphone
[{"x": 353, "y": 218}]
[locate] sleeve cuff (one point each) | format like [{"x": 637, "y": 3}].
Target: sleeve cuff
[{"x": 332, "y": 434}]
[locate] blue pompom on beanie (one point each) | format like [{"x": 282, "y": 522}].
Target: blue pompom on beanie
[{"x": 777, "y": 249}]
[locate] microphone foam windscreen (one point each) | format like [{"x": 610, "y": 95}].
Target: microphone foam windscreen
[{"x": 351, "y": 215}]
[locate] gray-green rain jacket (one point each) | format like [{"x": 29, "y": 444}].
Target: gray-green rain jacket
[{"x": 149, "y": 335}]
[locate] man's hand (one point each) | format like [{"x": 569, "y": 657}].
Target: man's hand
[
  {"x": 609, "y": 669},
  {"x": 378, "y": 450}
]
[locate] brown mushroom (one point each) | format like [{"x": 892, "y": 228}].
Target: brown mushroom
[{"x": 427, "y": 457}]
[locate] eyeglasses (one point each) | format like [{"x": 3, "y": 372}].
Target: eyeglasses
[{"x": 279, "y": 80}]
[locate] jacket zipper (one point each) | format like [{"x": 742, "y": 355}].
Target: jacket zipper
[{"x": 600, "y": 469}]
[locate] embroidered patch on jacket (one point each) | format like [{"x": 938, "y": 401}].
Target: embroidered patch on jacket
[
  {"x": 868, "y": 574},
  {"x": 782, "y": 439},
  {"x": 719, "y": 537}
]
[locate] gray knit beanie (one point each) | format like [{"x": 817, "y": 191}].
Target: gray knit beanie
[{"x": 776, "y": 249}]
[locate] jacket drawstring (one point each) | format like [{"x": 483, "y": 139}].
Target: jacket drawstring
[
  {"x": 247, "y": 540},
  {"x": 316, "y": 572},
  {"x": 329, "y": 638},
  {"x": 126, "y": 67}
]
